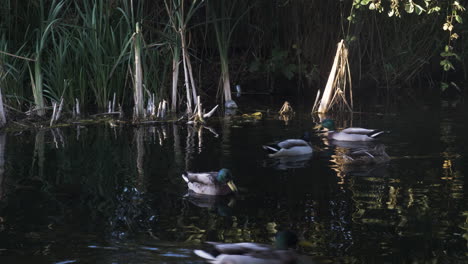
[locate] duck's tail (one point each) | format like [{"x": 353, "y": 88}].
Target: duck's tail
[
  {"x": 375, "y": 133},
  {"x": 270, "y": 149},
  {"x": 184, "y": 176},
  {"x": 204, "y": 254}
]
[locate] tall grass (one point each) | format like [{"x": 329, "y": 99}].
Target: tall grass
[
  {"x": 83, "y": 49},
  {"x": 100, "y": 41}
]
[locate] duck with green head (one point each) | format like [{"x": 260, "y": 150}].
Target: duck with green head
[
  {"x": 253, "y": 253},
  {"x": 211, "y": 183},
  {"x": 349, "y": 134}
]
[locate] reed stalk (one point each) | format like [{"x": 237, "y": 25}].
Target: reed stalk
[
  {"x": 175, "y": 76},
  {"x": 179, "y": 18},
  {"x": 138, "y": 78},
  {"x": 335, "y": 89},
  {"x": 3, "y": 119}
]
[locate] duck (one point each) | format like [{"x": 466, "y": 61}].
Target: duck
[
  {"x": 366, "y": 156},
  {"x": 289, "y": 148},
  {"x": 211, "y": 183},
  {"x": 351, "y": 133},
  {"x": 236, "y": 253}
]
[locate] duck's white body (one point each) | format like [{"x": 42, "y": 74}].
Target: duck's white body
[
  {"x": 354, "y": 134},
  {"x": 252, "y": 253},
  {"x": 289, "y": 147},
  {"x": 205, "y": 183}
]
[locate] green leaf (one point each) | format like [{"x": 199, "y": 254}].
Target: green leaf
[
  {"x": 434, "y": 10},
  {"x": 365, "y": 2},
  {"x": 447, "y": 54},
  {"x": 446, "y": 65},
  {"x": 418, "y": 9},
  {"x": 459, "y": 19},
  {"x": 409, "y": 8},
  {"x": 443, "y": 86}
]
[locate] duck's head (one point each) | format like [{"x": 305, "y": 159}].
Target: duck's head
[
  {"x": 285, "y": 240},
  {"x": 225, "y": 176},
  {"x": 328, "y": 124}
]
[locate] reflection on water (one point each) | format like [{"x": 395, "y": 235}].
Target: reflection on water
[{"x": 113, "y": 194}]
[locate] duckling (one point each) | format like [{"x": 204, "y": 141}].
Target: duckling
[
  {"x": 237, "y": 253},
  {"x": 211, "y": 183},
  {"x": 289, "y": 147},
  {"x": 351, "y": 133}
]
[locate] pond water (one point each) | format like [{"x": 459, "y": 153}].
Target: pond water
[{"x": 102, "y": 194}]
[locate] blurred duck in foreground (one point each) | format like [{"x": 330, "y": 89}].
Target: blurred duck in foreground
[{"x": 252, "y": 253}]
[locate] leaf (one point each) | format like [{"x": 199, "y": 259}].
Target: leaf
[
  {"x": 456, "y": 86},
  {"x": 446, "y": 26},
  {"x": 433, "y": 10},
  {"x": 365, "y": 2},
  {"x": 459, "y": 19},
  {"x": 446, "y": 65},
  {"x": 418, "y": 9},
  {"x": 443, "y": 86},
  {"x": 409, "y": 8},
  {"x": 446, "y": 54}
]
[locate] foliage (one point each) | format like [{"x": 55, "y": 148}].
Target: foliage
[
  {"x": 82, "y": 49},
  {"x": 453, "y": 16},
  {"x": 276, "y": 64}
]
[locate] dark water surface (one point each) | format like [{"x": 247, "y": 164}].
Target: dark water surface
[{"x": 99, "y": 194}]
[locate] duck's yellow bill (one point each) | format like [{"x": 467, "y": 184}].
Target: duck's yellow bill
[{"x": 232, "y": 186}]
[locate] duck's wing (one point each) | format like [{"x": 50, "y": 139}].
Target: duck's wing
[
  {"x": 372, "y": 133},
  {"x": 206, "y": 178},
  {"x": 357, "y": 130},
  {"x": 247, "y": 259},
  {"x": 340, "y": 136},
  {"x": 240, "y": 248},
  {"x": 239, "y": 259},
  {"x": 209, "y": 189},
  {"x": 290, "y": 143}
]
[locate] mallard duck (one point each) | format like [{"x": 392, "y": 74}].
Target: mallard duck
[
  {"x": 281, "y": 253},
  {"x": 351, "y": 133},
  {"x": 366, "y": 156},
  {"x": 210, "y": 183},
  {"x": 289, "y": 147}
]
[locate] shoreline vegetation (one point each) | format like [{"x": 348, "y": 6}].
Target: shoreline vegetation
[{"x": 162, "y": 61}]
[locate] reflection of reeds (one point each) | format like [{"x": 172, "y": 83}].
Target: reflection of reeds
[
  {"x": 39, "y": 152},
  {"x": 139, "y": 137}
]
